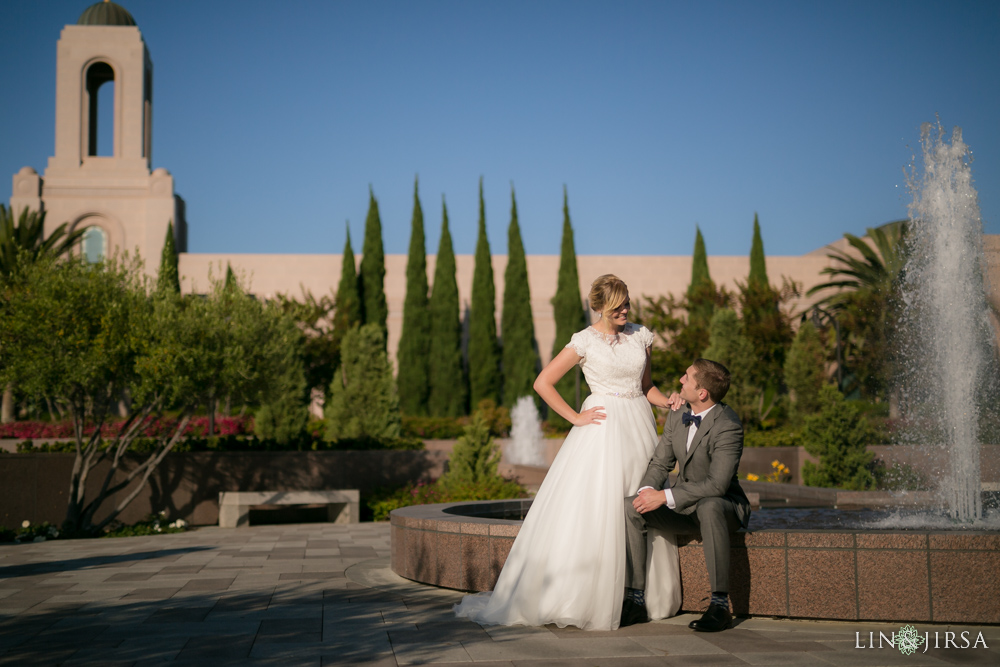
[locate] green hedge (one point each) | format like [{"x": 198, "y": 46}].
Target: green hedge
[
  {"x": 784, "y": 436},
  {"x": 383, "y": 501},
  {"x": 238, "y": 443}
]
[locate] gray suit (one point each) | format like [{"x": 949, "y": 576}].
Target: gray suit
[{"x": 707, "y": 493}]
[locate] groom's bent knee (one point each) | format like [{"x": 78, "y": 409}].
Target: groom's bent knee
[{"x": 712, "y": 510}]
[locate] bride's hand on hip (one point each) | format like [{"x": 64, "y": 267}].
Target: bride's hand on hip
[{"x": 591, "y": 416}]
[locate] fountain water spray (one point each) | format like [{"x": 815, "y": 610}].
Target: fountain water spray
[
  {"x": 527, "y": 443},
  {"x": 950, "y": 351}
]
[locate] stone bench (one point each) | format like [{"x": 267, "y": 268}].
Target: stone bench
[{"x": 343, "y": 506}]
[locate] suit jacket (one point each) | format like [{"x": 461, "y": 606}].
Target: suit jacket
[{"x": 708, "y": 469}]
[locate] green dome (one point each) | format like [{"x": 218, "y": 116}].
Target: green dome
[{"x": 105, "y": 13}]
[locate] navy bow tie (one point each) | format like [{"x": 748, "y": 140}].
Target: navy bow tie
[{"x": 687, "y": 418}]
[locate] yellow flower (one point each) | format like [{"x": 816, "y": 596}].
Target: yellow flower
[
  {"x": 775, "y": 463},
  {"x": 752, "y": 477}
]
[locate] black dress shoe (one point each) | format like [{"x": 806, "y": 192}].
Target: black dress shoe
[
  {"x": 632, "y": 614},
  {"x": 716, "y": 619}
]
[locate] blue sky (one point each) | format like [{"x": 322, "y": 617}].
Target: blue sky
[{"x": 275, "y": 118}]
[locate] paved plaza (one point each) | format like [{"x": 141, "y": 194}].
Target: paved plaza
[{"x": 323, "y": 594}]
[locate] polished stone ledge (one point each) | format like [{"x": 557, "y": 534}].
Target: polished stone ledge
[{"x": 927, "y": 576}]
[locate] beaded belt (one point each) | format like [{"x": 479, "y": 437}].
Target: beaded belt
[{"x": 620, "y": 394}]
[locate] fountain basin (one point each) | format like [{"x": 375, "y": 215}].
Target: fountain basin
[{"x": 934, "y": 576}]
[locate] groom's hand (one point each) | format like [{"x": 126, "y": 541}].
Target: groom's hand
[{"x": 649, "y": 500}]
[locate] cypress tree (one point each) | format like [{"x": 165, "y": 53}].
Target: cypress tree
[
  {"x": 569, "y": 314},
  {"x": 168, "y": 278},
  {"x": 348, "y": 304},
  {"x": 729, "y": 346},
  {"x": 448, "y": 382},
  {"x": 805, "y": 373},
  {"x": 231, "y": 282},
  {"x": 758, "y": 265},
  {"x": 699, "y": 263},
  {"x": 701, "y": 300},
  {"x": 362, "y": 399},
  {"x": 517, "y": 327},
  {"x": 347, "y": 307},
  {"x": 412, "y": 379},
  {"x": 484, "y": 352},
  {"x": 372, "y": 284},
  {"x": 284, "y": 413},
  {"x": 764, "y": 325}
]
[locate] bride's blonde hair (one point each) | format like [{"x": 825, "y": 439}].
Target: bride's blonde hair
[{"x": 607, "y": 293}]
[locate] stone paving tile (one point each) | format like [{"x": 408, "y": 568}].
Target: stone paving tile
[
  {"x": 747, "y": 641},
  {"x": 217, "y": 646},
  {"x": 979, "y": 656},
  {"x": 291, "y": 630},
  {"x": 510, "y": 632},
  {"x": 689, "y": 644},
  {"x": 208, "y": 584},
  {"x": 534, "y": 648},
  {"x": 37, "y": 656},
  {"x": 95, "y": 661},
  {"x": 789, "y": 659},
  {"x": 846, "y": 654},
  {"x": 655, "y": 628},
  {"x": 706, "y": 660},
  {"x": 595, "y": 662},
  {"x": 152, "y": 593},
  {"x": 421, "y": 653},
  {"x": 179, "y": 615}
]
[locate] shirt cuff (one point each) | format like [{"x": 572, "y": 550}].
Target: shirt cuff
[{"x": 670, "y": 498}]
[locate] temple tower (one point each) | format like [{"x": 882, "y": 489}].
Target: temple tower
[{"x": 100, "y": 175}]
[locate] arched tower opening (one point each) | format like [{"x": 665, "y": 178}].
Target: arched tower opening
[{"x": 100, "y": 87}]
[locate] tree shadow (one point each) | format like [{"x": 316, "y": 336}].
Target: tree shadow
[{"x": 49, "y": 567}]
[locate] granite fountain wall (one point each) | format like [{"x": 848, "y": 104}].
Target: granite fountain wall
[{"x": 851, "y": 575}]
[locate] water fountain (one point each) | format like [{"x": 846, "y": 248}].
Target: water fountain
[
  {"x": 527, "y": 442},
  {"x": 948, "y": 348}
]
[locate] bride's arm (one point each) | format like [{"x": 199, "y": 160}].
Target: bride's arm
[
  {"x": 654, "y": 395},
  {"x": 545, "y": 385}
]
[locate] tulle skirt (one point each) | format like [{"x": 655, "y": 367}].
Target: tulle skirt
[{"x": 567, "y": 565}]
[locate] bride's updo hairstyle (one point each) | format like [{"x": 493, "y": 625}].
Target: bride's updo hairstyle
[{"x": 607, "y": 293}]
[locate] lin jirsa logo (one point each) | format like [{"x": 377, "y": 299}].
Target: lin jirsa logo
[{"x": 908, "y": 640}]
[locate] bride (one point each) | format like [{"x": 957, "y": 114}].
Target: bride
[{"x": 567, "y": 565}]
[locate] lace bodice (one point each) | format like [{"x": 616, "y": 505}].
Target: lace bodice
[{"x": 613, "y": 367}]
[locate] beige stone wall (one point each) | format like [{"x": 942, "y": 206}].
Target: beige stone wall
[
  {"x": 268, "y": 275},
  {"x": 653, "y": 276}
]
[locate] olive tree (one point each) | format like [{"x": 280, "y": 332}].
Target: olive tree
[{"x": 84, "y": 336}]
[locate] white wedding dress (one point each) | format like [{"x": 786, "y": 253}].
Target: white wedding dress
[{"x": 567, "y": 565}]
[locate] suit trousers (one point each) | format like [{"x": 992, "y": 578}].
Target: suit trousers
[{"x": 714, "y": 518}]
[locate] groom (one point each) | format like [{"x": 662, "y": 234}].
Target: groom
[{"x": 705, "y": 442}]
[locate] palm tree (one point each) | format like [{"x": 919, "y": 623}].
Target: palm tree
[
  {"x": 877, "y": 270},
  {"x": 865, "y": 306},
  {"x": 27, "y": 235},
  {"x": 26, "y": 238}
]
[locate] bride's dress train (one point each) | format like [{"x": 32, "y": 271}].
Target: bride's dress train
[{"x": 567, "y": 565}]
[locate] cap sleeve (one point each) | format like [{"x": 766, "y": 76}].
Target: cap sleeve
[
  {"x": 646, "y": 336},
  {"x": 578, "y": 343}
]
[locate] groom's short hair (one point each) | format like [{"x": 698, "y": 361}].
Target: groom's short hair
[{"x": 712, "y": 377}]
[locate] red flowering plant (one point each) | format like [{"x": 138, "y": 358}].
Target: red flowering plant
[{"x": 151, "y": 427}]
